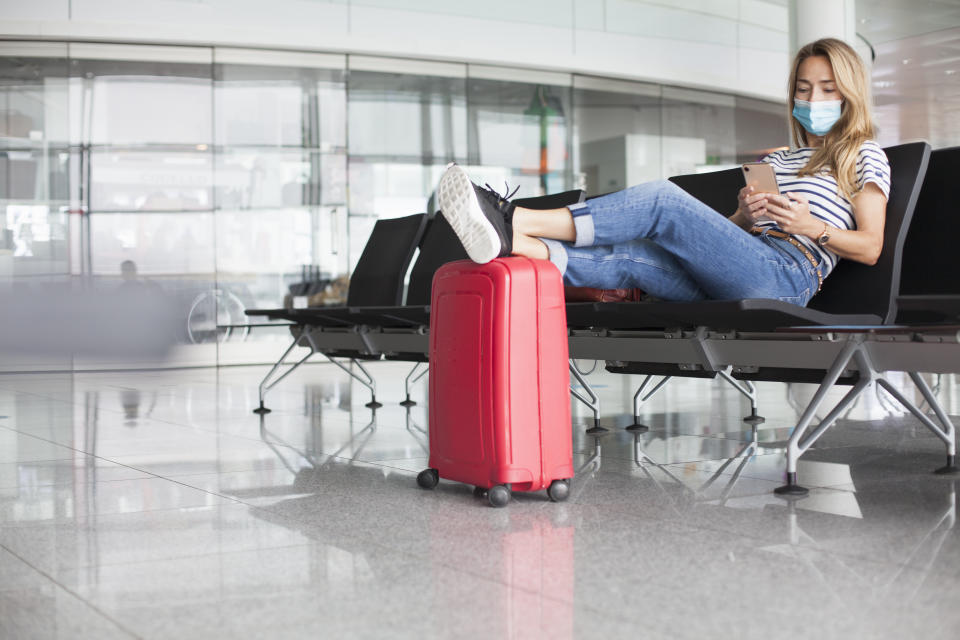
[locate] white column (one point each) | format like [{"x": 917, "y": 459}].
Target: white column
[{"x": 814, "y": 19}]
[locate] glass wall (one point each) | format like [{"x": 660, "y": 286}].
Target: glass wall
[
  {"x": 407, "y": 121},
  {"x": 36, "y": 163},
  {"x": 617, "y": 133},
  {"x": 34, "y": 158},
  {"x": 281, "y": 187},
  {"x": 223, "y": 179},
  {"x": 761, "y": 127},
  {"x": 142, "y": 125},
  {"x": 698, "y": 131},
  {"x": 519, "y": 129}
]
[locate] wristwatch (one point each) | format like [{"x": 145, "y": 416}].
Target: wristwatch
[{"x": 825, "y": 236}]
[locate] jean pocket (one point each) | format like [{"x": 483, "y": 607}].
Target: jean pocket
[{"x": 782, "y": 257}]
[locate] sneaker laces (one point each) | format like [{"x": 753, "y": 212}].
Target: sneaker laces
[{"x": 501, "y": 198}]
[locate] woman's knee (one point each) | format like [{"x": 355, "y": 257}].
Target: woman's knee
[
  {"x": 663, "y": 192},
  {"x": 671, "y": 193},
  {"x": 653, "y": 186}
]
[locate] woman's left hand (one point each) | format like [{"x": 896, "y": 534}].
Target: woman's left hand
[{"x": 792, "y": 214}]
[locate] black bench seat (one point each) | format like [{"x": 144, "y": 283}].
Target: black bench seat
[
  {"x": 272, "y": 314},
  {"x": 751, "y": 314},
  {"x": 930, "y": 308}
]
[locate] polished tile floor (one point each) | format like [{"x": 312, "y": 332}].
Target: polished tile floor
[{"x": 157, "y": 505}]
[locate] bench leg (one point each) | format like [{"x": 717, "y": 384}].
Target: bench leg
[
  {"x": 800, "y": 441},
  {"x": 410, "y": 380},
  {"x": 946, "y": 432},
  {"x": 367, "y": 380},
  {"x": 754, "y": 418},
  {"x": 266, "y": 384},
  {"x": 637, "y": 426},
  {"x": 749, "y": 391},
  {"x": 746, "y": 388},
  {"x": 593, "y": 403}
]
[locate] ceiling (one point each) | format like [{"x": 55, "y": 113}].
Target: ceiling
[
  {"x": 916, "y": 74},
  {"x": 881, "y": 21}
]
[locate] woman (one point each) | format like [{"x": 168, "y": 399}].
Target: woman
[{"x": 658, "y": 238}]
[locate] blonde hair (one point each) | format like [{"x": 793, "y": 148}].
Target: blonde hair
[{"x": 841, "y": 145}]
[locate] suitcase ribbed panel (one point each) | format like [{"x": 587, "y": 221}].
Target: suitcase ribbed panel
[{"x": 461, "y": 441}]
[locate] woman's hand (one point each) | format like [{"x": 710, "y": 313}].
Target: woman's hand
[
  {"x": 792, "y": 214},
  {"x": 752, "y": 205}
]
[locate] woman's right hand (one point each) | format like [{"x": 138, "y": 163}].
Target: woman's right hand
[{"x": 752, "y": 205}]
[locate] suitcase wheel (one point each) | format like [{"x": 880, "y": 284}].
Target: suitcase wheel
[
  {"x": 499, "y": 495},
  {"x": 559, "y": 490},
  {"x": 428, "y": 478}
]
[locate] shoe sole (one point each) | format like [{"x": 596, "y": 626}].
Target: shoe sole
[{"x": 460, "y": 206}]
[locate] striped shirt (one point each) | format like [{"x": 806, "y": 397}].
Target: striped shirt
[{"x": 821, "y": 190}]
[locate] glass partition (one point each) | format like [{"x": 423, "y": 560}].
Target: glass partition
[
  {"x": 617, "y": 133},
  {"x": 143, "y": 130},
  {"x": 698, "y": 132},
  {"x": 761, "y": 127},
  {"x": 35, "y": 160},
  {"x": 35, "y": 169},
  {"x": 281, "y": 189},
  {"x": 407, "y": 121},
  {"x": 519, "y": 126}
]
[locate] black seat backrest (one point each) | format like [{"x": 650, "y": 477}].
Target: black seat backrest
[
  {"x": 858, "y": 288},
  {"x": 440, "y": 244},
  {"x": 378, "y": 277},
  {"x": 717, "y": 189},
  {"x": 931, "y": 260}
]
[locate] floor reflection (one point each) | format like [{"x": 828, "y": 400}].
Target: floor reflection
[
  {"x": 313, "y": 514},
  {"x": 529, "y": 553}
]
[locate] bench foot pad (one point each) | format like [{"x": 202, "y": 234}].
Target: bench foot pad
[
  {"x": 950, "y": 468},
  {"x": 791, "y": 488}
]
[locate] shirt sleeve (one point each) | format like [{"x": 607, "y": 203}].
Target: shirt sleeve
[{"x": 872, "y": 166}]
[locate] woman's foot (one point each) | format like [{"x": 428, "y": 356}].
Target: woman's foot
[{"x": 481, "y": 218}]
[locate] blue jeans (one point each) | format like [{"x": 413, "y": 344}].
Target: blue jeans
[{"x": 657, "y": 237}]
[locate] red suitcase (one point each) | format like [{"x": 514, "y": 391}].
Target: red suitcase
[{"x": 499, "y": 403}]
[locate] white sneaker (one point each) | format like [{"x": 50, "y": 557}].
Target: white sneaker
[{"x": 481, "y": 217}]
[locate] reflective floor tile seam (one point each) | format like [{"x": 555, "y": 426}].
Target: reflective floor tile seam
[
  {"x": 72, "y": 450},
  {"x": 106, "y": 625},
  {"x": 146, "y": 486},
  {"x": 139, "y": 536},
  {"x": 121, "y": 459}
]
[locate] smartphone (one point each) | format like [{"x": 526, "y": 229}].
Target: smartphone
[{"x": 761, "y": 176}]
